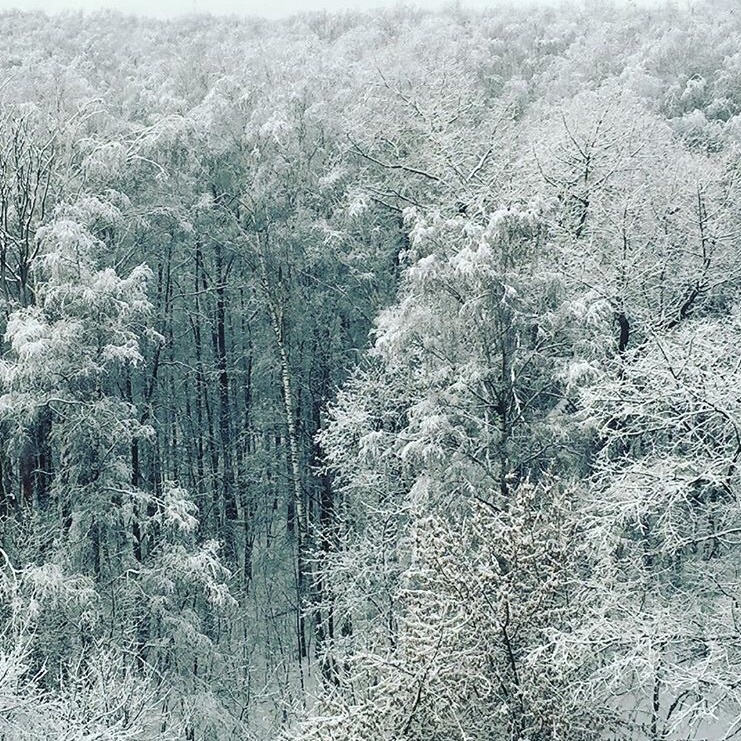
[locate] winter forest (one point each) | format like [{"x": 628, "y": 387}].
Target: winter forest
[{"x": 372, "y": 376}]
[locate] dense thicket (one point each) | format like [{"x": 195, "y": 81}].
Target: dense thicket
[{"x": 371, "y": 375}]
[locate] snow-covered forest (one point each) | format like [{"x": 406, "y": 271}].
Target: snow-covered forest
[{"x": 371, "y": 376}]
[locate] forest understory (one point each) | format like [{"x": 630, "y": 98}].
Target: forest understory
[{"x": 371, "y": 376}]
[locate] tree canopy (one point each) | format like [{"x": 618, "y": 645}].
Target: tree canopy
[{"x": 371, "y": 376}]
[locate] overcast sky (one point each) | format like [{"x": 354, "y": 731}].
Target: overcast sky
[{"x": 268, "y": 8}]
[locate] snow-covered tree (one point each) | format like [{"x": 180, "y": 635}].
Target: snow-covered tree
[
  {"x": 67, "y": 351},
  {"x": 662, "y": 526},
  {"x": 456, "y": 550}
]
